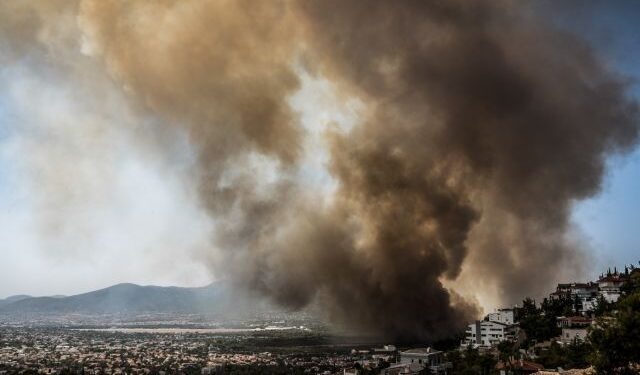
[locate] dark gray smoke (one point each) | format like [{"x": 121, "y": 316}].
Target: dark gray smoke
[
  {"x": 485, "y": 125},
  {"x": 482, "y": 125}
]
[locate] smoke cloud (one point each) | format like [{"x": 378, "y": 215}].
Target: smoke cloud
[
  {"x": 517, "y": 115},
  {"x": 482, "y": 124}
]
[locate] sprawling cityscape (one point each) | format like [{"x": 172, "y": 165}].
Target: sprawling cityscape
[{"x": 525, "y": 339}]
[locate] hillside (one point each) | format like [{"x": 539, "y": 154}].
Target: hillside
[
  {"x": 127, "y": 299},
  {"x": 12, "y": 299}
]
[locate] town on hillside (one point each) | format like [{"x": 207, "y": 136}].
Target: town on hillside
[
  {"x": 563, "y": 334},
  {"x": 568, "y": 332},
  {"x": 578, "y": 300}
]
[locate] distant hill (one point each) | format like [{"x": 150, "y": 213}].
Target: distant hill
[
  {"x": 16, "y": 298},
  {"x": 127, "y": 299},
  {"x": 12, "y": 299}
]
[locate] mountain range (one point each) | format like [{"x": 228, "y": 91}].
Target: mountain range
[{"x": 128, "y": 299}]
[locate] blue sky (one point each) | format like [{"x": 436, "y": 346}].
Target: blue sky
[{"x": 610, "y": 221}]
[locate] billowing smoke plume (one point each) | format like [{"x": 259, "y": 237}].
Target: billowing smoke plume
[
  {"x": 482, "y": 123},
  {"x": 485, "y": 125}
]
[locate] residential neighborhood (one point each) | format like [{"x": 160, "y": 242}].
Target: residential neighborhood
[{"x": 568, "y": 322}]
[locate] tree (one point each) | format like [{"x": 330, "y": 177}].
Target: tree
[
  {"x": 471, "y": 362},
  {"x": 633, "y": 283},
  {"x": 553, "y": 357},
  {"x": 616, "y": 348},
  {"x": 602, "y": 307},
  {"x": 507, "y": 351},
  {"x": 576, "y": 354},
  {"x": 572, "y": 355}
]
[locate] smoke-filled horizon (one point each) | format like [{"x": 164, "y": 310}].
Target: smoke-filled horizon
[{"x": 473, "y": 128}]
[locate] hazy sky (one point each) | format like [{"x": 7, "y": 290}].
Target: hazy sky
[
  {"x": 151, "y": 231},
  {"x": 136, "y": 221}
]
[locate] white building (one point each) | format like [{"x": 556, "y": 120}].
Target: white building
[
  {"x": 585, "y": 293},
  {"x": 574, "y": 328},
  {"x": 505, "y": 316},
  {"x": 610, "y": 286},
  {"x": 588, "y": 305},
  {"x": 432, "y": 360},
  {"x": 488, "y": 333},
  {"x": 419, "y": 361}
]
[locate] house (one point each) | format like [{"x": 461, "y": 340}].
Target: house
[
  {"x": 586, "y": 293},
  {"x": 430, "y": 359},
  {"x": 580, "y": 290},
  {"x": 610, "y": 286},
  {"x": 584, "y": 290},
  {"x": 385, "y": 354},
  {"x": 574, "y": 328}
]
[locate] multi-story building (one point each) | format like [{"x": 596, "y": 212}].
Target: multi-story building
[
  {"x": 585, "y": 293},
  {"x": 610, "y": 286},
  {"x": 488, "y": 333},
  {"x": 505, "y": 316}
]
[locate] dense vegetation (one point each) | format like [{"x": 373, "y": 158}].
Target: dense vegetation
[
  {"x": 615, "y": 338},
  {"x": 540, "y": 324},
  {"x": 471, "y": 362}
]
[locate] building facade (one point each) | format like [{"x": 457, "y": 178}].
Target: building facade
[
  {"x": 574, "y": 328},
  {"x": 504, "y": 316},
  {"x": 487, "y": 333},
  {"x": 611, "y": 286},
  {"x": 420, "y": 361}
]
